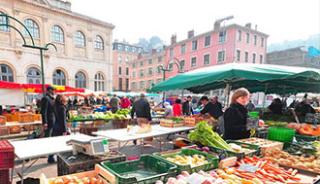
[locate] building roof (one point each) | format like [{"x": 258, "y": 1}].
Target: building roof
[
  {"x": 46, "y": 4},
  {"x": 213, "y": 31}
]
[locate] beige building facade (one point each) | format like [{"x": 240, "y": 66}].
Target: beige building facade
[{"x": 84, "y": 51}]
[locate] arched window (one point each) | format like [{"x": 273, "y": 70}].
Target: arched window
[
  {"x": 33, "y": 76},
  {"x": 79, "y": 39},
  {"x": 99, "y": 82},
  {"x": 81, "y": 81},
  {"x": 57, "y": 34},
  {"x": 6, "y": 73},
  {"x": 33, "y": 28},
  {"x": 98, "y": 43},
  {"x": 3, "y": 20},
  {"x": 59, "y": 77}
]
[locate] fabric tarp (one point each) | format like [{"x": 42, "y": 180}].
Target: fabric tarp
[{"x": 255, "y": 77}]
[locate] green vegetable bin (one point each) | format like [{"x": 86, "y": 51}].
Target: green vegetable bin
[
  {"x": 147, "y": 170},
  {"x": 253, "y": 114},
  {"x": 213, "y": 161},
  {"x": 255, "y": 149},
  {"x": 281, "y": 134}
]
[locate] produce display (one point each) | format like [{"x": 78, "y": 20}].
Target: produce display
[
  {"x": 204, "y": 134},
  {"x": 200, "y": 177},
  {"x": 316, "y": 144},
  {"x": 76, "y": 180},
  {"x": 172, "y": 122},
  {"x": 264, "y": 144},
  {"x": 276, "y": 123},
  {"x": 308, "y": 163},
  {"x": 193, "y": 161},
  {"x": 121, "y": 114},
  {"x": 305, "y": 129},
  {"x": 302, "y": 148}
]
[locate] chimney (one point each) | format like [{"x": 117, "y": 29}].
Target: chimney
[
  {"x": 190, "y": 34},
  {"x": 216, "y": 26},
  {"x": 173, "y": 39},
  {"x": 153, "y": 51},
  {"x": 248, "y": 25}
]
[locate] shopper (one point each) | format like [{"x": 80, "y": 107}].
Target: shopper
[
  {"x": 47, "y": 113},
  {"x": 187, "y": 107},
  {"x": 214, "y": 110},
  {"x": 215, "y": 101},
  {"x": 177, "y": 107},
  {"x": 250, "y": 106},
  {"x": 60, "y": 126},
  {"x": 168, "y": 112},
  {"x": 276, "y": 106},
  {"x": 125, "y": 102},
  {"x": 235, "y": 117},
  {"x": 114, "y": 103},
  {"x": 303, "y": 108},
  {"x": 141, "y": 108}
]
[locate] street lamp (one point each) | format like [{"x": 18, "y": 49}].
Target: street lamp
[
  {"x": 32, "y": 45},
  {"x": 165, "y": 69}
]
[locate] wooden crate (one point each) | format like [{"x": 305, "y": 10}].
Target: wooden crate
[
  {"x": 94, "y": 173},
  {"x": 15, "y": 129},
  {"x": 190, "y": 121},
  {"x": 264, "y": 144},
  {"x": 170, "y": 123},
  {"x": 4, "y": 130}
]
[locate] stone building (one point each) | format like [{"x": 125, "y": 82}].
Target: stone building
[
  {"x": 297, "y": 56},
  {"x": 123, "y": 55},
  {"x": 83, "y": 57}
]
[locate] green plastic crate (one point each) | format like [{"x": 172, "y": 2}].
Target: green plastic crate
[
  {"x": 213, "y": 160},
  {"x": 281, "y": 134},
  {"x": 148, "y": 169},
  {"x": 253, "y": 114},
  {"x": 255, "y": 148}
]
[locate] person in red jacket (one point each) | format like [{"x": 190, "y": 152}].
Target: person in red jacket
[
  {"x": 125, "y": 103},
  {"x": 177, "y": 108}
]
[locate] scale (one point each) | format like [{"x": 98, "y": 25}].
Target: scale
[{"x": 93, "y": 147}]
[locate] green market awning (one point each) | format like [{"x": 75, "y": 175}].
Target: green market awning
[{"x": 255, "y": 77}]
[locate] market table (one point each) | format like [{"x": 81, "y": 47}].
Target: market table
[
  {"x": 121, "y": 135},
  {"x": 36, "y": 148}
]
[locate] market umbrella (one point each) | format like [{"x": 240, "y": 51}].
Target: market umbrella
[{"x": 255, "y": 77}]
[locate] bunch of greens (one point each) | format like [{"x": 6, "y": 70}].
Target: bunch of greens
[
  {"x": 302, "y": 148},
  {"x": 204, "y": 134}
]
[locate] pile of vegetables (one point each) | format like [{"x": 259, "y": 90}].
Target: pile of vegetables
[
  {"x": 316, "y": 144},
  {"x": 121, "y": 114},
  {"x": 276, "y": 123},
  {"x": 194, "y": 160},
  {"x": 264, "y": 172},
  {"x": 204, "y": 134},
  {"x": 176, "y": 119},
  {"x": 305, "y": 129},
  {"x": 195, "y": 178},
  {"x": 124, "y": 112},
  {"x": 302, "y": 148},
  {"x": 310, "y": 163}
]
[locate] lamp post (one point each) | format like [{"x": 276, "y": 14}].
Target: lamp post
[
  {"x": 32, "y": 45},
  {"x": 165, "y": 69}
]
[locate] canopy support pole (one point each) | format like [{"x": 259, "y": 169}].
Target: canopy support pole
[
  {"x": 228, "y": 87},
  {"x": 264, "y": 98}
]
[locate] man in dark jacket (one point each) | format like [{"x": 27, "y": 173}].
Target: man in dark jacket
[
  {"x": 141, "y": 108},
  {"x": 214, "y": 110},
  {"x": 187, "y": 107},
  {"x": 48, "y": 115}
]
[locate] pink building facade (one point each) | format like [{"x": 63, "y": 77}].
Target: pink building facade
[
  {"x": 228, "y": 44},
  {"x": 145, "y": 71}
]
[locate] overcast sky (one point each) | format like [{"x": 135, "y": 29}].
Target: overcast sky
[{"x": 281, "y": 19}]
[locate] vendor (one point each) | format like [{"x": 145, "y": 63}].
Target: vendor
[
  {"x": 235, "y": 117},
  {"x": 304, "y": 108},
  {"x": 214, "y": 110},
  {"x": 168, "y": 112},
  {"x": 276, "y": 106}
]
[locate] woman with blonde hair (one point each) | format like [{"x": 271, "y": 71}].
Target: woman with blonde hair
[{"x": 235, "y": 117}]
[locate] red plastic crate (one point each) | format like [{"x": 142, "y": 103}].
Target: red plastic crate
[
  {"x": 6, "y": 155},
  {"x": 5, "y": 176}
]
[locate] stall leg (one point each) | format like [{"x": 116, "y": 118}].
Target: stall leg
[{"x": 22, "y": 171}]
